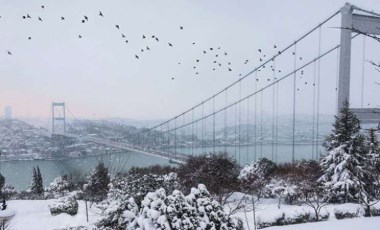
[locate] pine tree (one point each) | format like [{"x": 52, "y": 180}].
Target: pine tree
[
  {"x": 343, "y": 166},
  {"x": 97, "y": 187},
  {"x": 40, "y": 186},
  {"x": 36, "y": 187},
  {"x": 373, "y": 143}
]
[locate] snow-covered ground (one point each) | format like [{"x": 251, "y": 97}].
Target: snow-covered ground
[
  {"x": 372, "y": 223},
  {"x": 35, "y": 215}
]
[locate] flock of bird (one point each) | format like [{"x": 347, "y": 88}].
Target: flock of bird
[{"x": 214, "y": 52}]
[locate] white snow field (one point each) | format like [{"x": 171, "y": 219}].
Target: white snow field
[
  {"x": 372, "y": 223},
  {"x": 35, "y": 215}
]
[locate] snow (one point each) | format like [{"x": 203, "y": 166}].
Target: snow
[
  {"x": 371, "y": 223},
  {"x": 35, "y": 214}
]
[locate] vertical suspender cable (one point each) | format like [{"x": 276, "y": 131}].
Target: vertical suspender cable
[
  {"x": 202, "y": 130},
  {"x": 294, "y": 101},
  {"x": 318, "y": 91},
  {"x": 225, "y": 123},
  {"x": 261, "y": 125},
  {"x": 239, "y": 120},
  {"x": 363, "y": 60},
  {"x": 273, "y": 108},
  {"x": 255, "y": 134},
  {"x": 175, "y": 137},
  {"x": 248, "y": 129},
  {"x": 276, "y": 137},
  {"x": 192, "y": 131},
  {"x": 213, "y": 124},
  {"x": 235, "y": 131},
  {"x": 313, "y": 128}
]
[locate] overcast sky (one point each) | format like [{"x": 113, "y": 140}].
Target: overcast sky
[{"x": 98, "y": 75}]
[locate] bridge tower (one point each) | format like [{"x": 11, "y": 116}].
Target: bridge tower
[
  {"x": 352, "y": 22},
  {"x": 58, "y": 113}
]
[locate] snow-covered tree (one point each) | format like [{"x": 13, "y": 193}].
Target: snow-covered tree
[
  {"x": 97, "y": 187},
  {"x": 255, "y": 176},
  {"x": 118, "y": 210},
  {"x": 373, "y": 144},
  {"x": 61, "y": 186},
  {"x": 343, "y": 166},
  {"x": 36, "y": 186}
]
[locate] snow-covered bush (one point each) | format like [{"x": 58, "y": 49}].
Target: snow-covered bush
[
  {"x": 198, "y": 210},
  {"x": 118, "y": 210},
  {"x": 97, "y": 187},
  {"x": 67, "y": 205},
  {"x": 347, "y": 213},
  {"x": 61, "y": 186},
  {"x": 8, "y": 191}
]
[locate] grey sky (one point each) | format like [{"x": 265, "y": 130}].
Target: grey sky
[{"x": 98, "y": 75}]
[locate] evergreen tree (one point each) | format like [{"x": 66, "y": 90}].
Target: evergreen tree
[
  {"x": 343, "y": 166},
  {"x": 2, "y": 182},
  {"x": 36, "y": 186},
  {"x": 97, "y": 187},
  {"x": 40, "y": 185},
  {"x": 373, "y": 143}
]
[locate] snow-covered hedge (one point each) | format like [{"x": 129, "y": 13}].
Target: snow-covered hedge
[{"x": 67, "y": 205}]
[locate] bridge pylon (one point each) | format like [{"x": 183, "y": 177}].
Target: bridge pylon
[{"x": 58, "y": 113}]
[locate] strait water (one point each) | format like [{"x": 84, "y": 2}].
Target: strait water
[{"x": 19, "y": 173}]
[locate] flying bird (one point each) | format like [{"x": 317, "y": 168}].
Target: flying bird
[
  {"x": 100, "y": 14},
  {"x": 229, "y": 69},
  {"x": 275, "y": 46},
  {"x": 143, "y": 36},
  {"x": 85, "y": 17},
  {"x": 40, "y": 19},
  {"x": 142, "y": 50},
  {"x": 193, "y": 43},
  {"x": 126, "y": 41},
  {"x": 117, "y": 27},
  {"x": 204, "y": 51},
  {"x": 29, "y": 38},
  {"x": 80, "y": 36},
  {"x": 157, "y": 39},
  {"x": 147, "y": 48},
  {"x": 261, "y": 59},
  {"x": 83, "y": 21},
  {"x": 62, "y": 18},
  {"x": 43, "y": 7},
  {"x": 9, "y": 52},
  {"x": 137, "y": 57},
  {"x": 211, "y": 49},
  {"x": 172, "y": 78},
  {"x": 260, "y": 50},
  {"x": 225, "y": 53},
  {"x": 197, "y": 60},
  {"x": 181, "y": 27},
  {"x": 28, "y": 16},
  {"x": 122, "y": 35},
  {"x": 23, "y": 17},
  {"x": 246, "y": 61},
  {"x": 170, "y": 44}
]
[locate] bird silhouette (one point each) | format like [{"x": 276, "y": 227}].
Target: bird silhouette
[
  {"x": 218, "y": 48},
  {"x": 211, "y": 49},
  {"x": 220, "y": 64},
  {"x": 23, "y": 17},
  {"x": 30, "y": 38},
  {"x": 147, "y": 48},
  {"x": 229, "y": 69},
  {"x": 28, "y": 16},
  {"x": 40, "y": 19},
  {"x": 157, "y": 39},
  {"x": 259, "y": 50},
  {"x": 143, "y": 36},
  {"x": 181, "y": 27},
  {"x": 9, "y": 52},
  {"x": 225, "y": 53},
  {"x": 85, "y": 17},
  {"x": 172, "y": 78},
  {"x": 204, "y": 51},
  {"x": 214, "y": 61},
  {"x": 122, "y": 35},
  {"x": 153, "y": 36},
  {"x": 246, "y": 61},
  {"x": 170, "y": 44},
  {"x": 300, "y": 58},
  {"x": 197, "y": 73},
  {"x": 275, "y": 46},
  {"x": 137, "y": 57},
  {"x": 213, "y": 69},
  {"x": 101, "y": 14},
  {"x": 117, "y": 27},
  {"x": 142, "y": 50},
  {"x": 83, "y": 21},
  {"x": 229, "y": 63},
  {"x": 80, "y": 36},
  {"x": 257, "y": 79},
  {"x": 43, "y": 7},
  {"x": 193, "y": 43},
  {"x": 261, "y": 59},
  {"x": 194, "y": 67},
  {"x": 126, "y": 41},
  {"x": 298, "y": 89},
  {"x": 197, "y": 60},
  {"x": 62, "y": 18},
  {"x": 279, "y": 52},
  {"x": 217, "y": 55},
  {"x": 268, "y": 79},
  {"x": 305, "y": 82},
  {"x": 179, "y": 63},
  {"x": 294, "y": 53}
]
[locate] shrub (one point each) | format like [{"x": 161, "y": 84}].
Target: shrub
[{"x": 67, "y": 205}]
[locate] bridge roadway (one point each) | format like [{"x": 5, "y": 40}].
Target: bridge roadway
[{"x": 178, "y": 157}]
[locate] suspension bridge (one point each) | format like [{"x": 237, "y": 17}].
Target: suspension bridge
[{"x": 316, "y": 73}]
